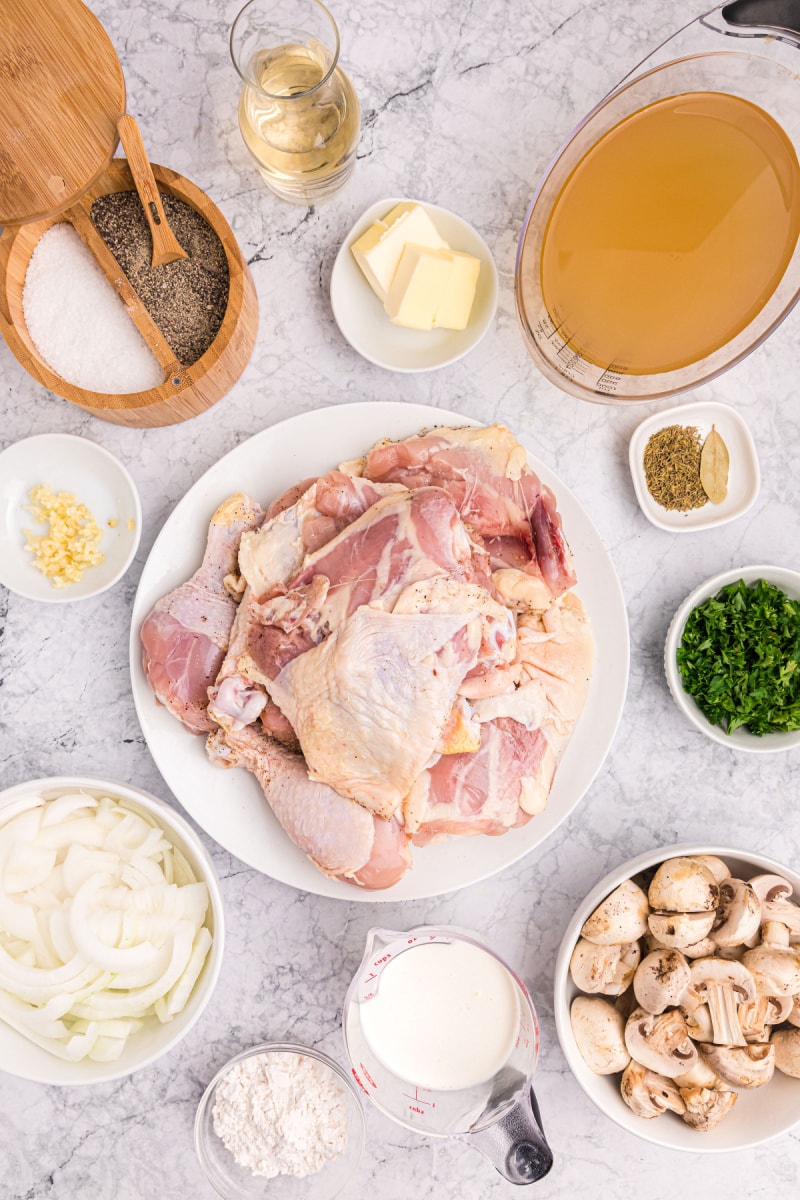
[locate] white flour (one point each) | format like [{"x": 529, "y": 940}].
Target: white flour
[{"x": 281, "y": 1114}]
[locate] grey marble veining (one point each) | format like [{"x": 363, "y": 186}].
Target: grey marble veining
[{"x": 463, "y": 104}]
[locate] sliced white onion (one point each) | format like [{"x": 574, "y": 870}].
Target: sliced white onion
[{"x": 102, "y": 924}]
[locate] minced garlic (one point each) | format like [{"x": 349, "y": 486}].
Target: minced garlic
[{"x": 72, "y": 542}]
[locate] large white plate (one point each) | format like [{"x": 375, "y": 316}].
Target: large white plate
[{"x": 229, "y": 804}]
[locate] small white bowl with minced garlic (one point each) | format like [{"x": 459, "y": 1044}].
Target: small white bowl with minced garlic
[{"x": 70, "y": 518}]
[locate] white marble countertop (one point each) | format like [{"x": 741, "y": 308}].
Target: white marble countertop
[{"x": 463, "y": 104}]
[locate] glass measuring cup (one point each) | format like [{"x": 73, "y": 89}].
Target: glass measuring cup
[
  {"x": 498, "y": 1116},
  {"x": 746, "y": 49},
  {"x": 299, "y": 114}
]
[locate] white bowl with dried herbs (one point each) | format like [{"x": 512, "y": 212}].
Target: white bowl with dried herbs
[
  {"x": 728, "y": 658},
  {"x": 694, "y": 467}
]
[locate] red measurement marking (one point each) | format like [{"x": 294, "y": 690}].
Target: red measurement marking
[
  {"x": 367, "y": 1076},
  {"x": 418, "y": 1100},
  {"x": 369, "y": 978},
  {"x": 410, "y": 941},
  {"x": 358, "y": 1081},
  {"x": 377, "y": 962}
]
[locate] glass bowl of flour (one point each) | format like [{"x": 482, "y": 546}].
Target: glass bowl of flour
[{"x": 280, "y": 1122}]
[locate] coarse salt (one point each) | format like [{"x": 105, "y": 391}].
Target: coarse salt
[
  {"x": 78, "y": 323},
  {"x": 281, "y": 1114}
]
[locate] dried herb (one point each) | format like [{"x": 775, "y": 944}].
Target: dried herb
[
  {"x": 714, "y": 463},
  {"x": 739, "y": 658},
  {"x": 672, "y": 468},
  {"x": 186, "y": 299}
]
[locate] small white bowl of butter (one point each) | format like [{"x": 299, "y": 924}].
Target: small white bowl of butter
[
  {"x": 360, "y": 312},
  {"x": 87, "y": 485}
]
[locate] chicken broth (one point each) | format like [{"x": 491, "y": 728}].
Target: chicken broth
[{"x": 672, "y": 233}]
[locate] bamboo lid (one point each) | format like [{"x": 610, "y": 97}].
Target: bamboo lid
[{"x": 61, "y": 95}]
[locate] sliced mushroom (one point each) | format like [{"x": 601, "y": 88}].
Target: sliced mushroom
[
  {"x": 786, "y": 1044},
  {"x": 773, "y": 892},
  {"x": 723, "y": 984},
  {"x": 605, "y": 969},
  {"x": 660, "y": 1043},
  {"x": 756, "y": 1019},
  {"x": 622, "y": 917},
  {"x": 677, "y": 930},
  {"x": 774, "y": 964},
  {"x": 741, "y": 1067},
  {"x": 738, "y": 913},
  {"x": 683, "y": 885},
  {"x": 705, "y": 1107},
  {"x": 698, "y": 1023},
  {"x": 661, "y": 979},
  {"x": 599, "y": 1032},
  {"x": 647, "y": 1093},
  {"x": 700, "y": 1075},
  {"x": 793, "y": 1017}
]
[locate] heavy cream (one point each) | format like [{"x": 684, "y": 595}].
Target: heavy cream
[{"x": 445, "y": 1016}]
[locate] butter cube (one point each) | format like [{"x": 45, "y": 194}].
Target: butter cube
[
  {"x": 421, "y": 279},
  {"x": 378, "y": 251},
  {"x": 455, "y": 304},
  {"x": 433, "y": 288}
]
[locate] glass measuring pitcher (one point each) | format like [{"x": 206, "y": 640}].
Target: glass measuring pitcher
[
  {"x": 298, "y": 111},
  {"x": 482, "y": 1096},
  {"x": 743, "y": 55}
]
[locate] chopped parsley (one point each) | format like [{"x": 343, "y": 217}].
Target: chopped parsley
[{"x": 739, "y": 656}]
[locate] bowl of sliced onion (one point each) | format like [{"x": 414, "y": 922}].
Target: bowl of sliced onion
[{"x": 111, "y": 930}]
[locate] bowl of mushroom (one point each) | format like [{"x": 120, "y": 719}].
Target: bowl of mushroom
[{"x": 677, "y": 996}]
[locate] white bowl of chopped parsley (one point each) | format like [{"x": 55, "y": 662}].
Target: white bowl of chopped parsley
[{"x": 732, "y": 658}]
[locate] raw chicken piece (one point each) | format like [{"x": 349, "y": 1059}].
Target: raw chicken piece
[
  {"x": 370, "y": 702},
  {"x": 485, "y": 472},
  {"x": 185, "y": 636},
  {"x": 523, "y": 733},
  {"x": 482, "y": 792},
  {"x": 268, "y": 559},
  {"x": 340, "y": 837},
  {"x": 401, "y": 539}
]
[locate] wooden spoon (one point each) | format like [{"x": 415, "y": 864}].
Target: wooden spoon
[{"x": 166, "y": 247}]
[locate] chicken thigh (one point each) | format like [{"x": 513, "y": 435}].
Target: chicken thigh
[{"x": 185, "y": 636}]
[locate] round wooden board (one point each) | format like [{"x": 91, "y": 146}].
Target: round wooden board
[{"x": 62, "y": 93}]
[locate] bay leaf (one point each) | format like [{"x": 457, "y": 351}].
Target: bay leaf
[{"x": 714, "y": 464}]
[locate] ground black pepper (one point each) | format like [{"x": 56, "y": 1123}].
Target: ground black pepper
[
  {"x": 672, "y": 468},
  {"x": 186, "y": 299}
]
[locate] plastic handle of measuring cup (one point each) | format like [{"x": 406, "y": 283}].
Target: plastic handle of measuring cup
[
  {"x": 782, "y": 16},
  {"x": 516, "y": 1145}
]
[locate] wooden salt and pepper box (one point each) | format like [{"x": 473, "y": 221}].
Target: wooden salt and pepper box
[{"x": 61, "y": 104}]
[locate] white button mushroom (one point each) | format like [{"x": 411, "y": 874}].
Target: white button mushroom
[
  {"x": 774, "y": 964},
  {"x": 661, "y": 979},
  {"x": 773, "y": 892},
  {"x": 700, "y": 1075},
  {"x": 741, "y": 1067},
  {"x": 793, "y": 1016},
  {"x": 756, "y": 1019},
  {"x": 705, "y": 1107},
  {"x": 680, "y": 930},
  {"x": 683, "y": 885},
  {"x": 786, "y": 1044},
  {"x": 723, "y": 984},
  {"x": 622, "y": 917},
  {"x": 605, "y": 969},
  {"x": 738, "y": 915},
  {"x": 661, "y": 1042},
  {"x": 649, "y": 1094},
  {"x": 599, "y": 1032},
  {"x": 715, "y": 865}
]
